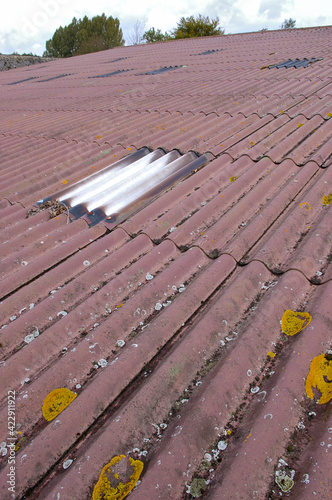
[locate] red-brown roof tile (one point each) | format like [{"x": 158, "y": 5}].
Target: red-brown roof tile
[{"x": 168, "y": 324}]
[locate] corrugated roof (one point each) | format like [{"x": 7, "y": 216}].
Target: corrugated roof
[{"x": 169, "y": 326}]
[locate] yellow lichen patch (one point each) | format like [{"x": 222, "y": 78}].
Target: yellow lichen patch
[
  {"x": 294, "y": 322},
  {"x": 233, "y": 179},
  {"x": 271, "y": 354},
  {"x": 117, "y": 478},
  {"x": 99, "y": 137},
  {"x": 320, "y": 377},
  {"x": 306, "y": 206},
  {"x": 65, "y": 181},
  {"x": 56, "y": 401},
  {"x": 327, "y": 200}
]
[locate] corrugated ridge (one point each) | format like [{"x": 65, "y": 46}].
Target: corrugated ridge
[{"x": 168, "y": 326}]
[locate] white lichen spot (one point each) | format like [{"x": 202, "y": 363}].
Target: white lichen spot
[
  {"x": 86, "y": 263},
  {"x": 91, "y": 347},
  {"x": 178, "y": 430},
  {"x": 172, "y": 229},
  {"x": 62, "y": 313},
  {"x": 3, "y": 449},
  {"x": 102, "y": 362},
  {"x": 222, "y": 445},
  {"x": 31, "y": 306},
  {"x": 158, "y": 306},
  {"x": 268, "y": 416},
  {"x": 120, "y": 343},
  {"x": 12, "y": 318},
  {"x": 305, "y": 479},
  {"x": 67, "y": 463},
  {"x": 254, "y": 390},
  {"x": 29, "y": 338},
  {"x": 262, "y": 395},
  {"x": 149, "y": 277},
  {"x": 182, "y": 289},
  {"x": 24, "y": 263},
  {"x": 249, "y": 373},
  {"x": 78, "y": 386},
  {"x": 208, "y": 457}
]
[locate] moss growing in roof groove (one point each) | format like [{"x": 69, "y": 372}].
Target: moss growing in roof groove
[
  {"x": 197, "y": 487},
  {"x": 284, "y": 482}
]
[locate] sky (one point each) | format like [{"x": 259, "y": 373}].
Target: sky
[{"x": 25, "y": 26}]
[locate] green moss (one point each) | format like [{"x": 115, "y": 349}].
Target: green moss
[
  {"x": 197, "y": 487},
  {"x": 205, "y": 465}
]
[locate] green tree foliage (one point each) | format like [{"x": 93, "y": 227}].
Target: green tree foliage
[
  {"x": 288, "y": 24},
  {"x": 85, "y": 35},
  {"x": 152, "y": 35},
  {"x": 189, "y": 27}
]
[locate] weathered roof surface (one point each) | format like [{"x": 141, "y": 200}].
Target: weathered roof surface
[{"x": 167, "y": 325}]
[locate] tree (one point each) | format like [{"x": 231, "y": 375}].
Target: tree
[
  {"x": 137, "y": 35},
  {"x": 189, "y": 27},
  {"x": 152, "y": 35},
  {"x": 288, "y": 24},
  {"x": 85, "y": 35}
]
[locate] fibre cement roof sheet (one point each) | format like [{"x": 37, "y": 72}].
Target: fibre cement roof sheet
[{"x": 168, "y": 325}]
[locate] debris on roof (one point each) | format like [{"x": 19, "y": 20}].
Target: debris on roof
[
  {"x": 295, "y": 63},
  {"x": 173, "y": 339},
  {"x": 206, "y": 52},
  {"x": 162, "y": 70},
  {"x": 54, "y": 78},
  {"x": 110, "y": 74}
]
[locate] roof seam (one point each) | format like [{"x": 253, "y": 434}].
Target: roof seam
[{"x": 37, "y": 276}]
